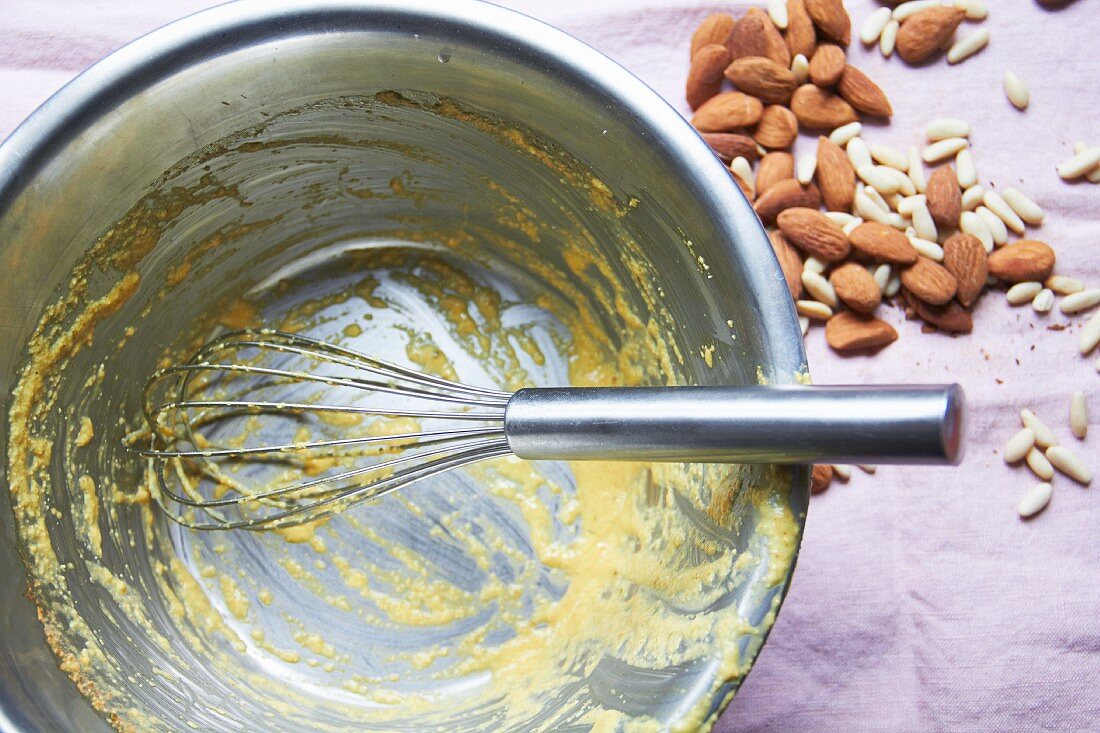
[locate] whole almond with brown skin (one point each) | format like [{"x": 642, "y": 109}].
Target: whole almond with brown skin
[
  {"x": 859, "y": 91},
  {"x": 756, "y": 35},
  {"x": 777, "y": 129},
  {"x": 929, "y": 281},
  {"x": 950, "y": 317},
  {"x": 715, "y": 28},
  {"x": 762, "y": 78},
  {"x": 835, "y": 176},
  {"x": 727, "y": 112},
  {"x": 965, "y": 258},
  {"x": 856, "y": 287},
  {"x": 814, "y": 233},
  {"x": 883, "y": 243},
  {"x": 785, "y": 194},
  {"x": 848, "y": 331},
  {"x": 729, "y": 145},
  {"x": 944, "y": 196},
  {"x": 818, "y": 108},
  {"x": 773, "y": 168},
  {"x": 820, "y": 477},
  {"x": 801, "y": 37},
  {"x": 789, "y": 262},
  {"x": 927, "y": 32},
  {"x": 832, "y": 19},
  {"x": 705, "y": 75},
  {"x": 827, "y": 64},
  {"x": 1025, "y": 259}
]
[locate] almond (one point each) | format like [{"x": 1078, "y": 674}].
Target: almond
[
  {"x": 835, "y": 176},
  {"x": 817, "y": 108},
  {"x": 705, "y": 75},
  {"x": 801, "y": 36},
  {"x": 927, "y": 32},
  {"x": 762, "y": 78},
  {"x": 786, "y": 194},
  {"x": 814, "y": 233},
  {"x": 827, "y": 64},
  {"x": 848, "y": 331},
  {"x": 1026, "y": 259},
  {"x": 950, "y": 317},
  {"x": 831, "y": 18},
  {"x": 773, "y": 168},
  {"x": 777, "y": 129},
  {"x": 856, "y": 287},
  {"x": 859, "y": 91},
  {"x": 965, "y": 258},
  {"x": 756, "y": 35},
  {"x": 729, "y": 145},
  {"x": 929, "y": 281},
  {"x": 820, "y": 477},
  {"x": 944, "y": 197},
  {"x": 727, "y": 112},
  {"x": 789, "y": 262},
  {"x": 883, "y": 243},
  {"x": 715, "y": 28}
]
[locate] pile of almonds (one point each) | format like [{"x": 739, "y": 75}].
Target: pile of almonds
[{"x": 855, "y": 226}]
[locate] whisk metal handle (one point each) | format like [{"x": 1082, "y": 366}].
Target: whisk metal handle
[{"x": 901, "y": 424}]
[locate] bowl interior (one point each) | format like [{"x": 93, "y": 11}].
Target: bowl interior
[{"x": 431, "y": 195}]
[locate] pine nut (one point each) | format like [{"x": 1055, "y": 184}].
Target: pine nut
[
  {"x": 923, "y": 223},
  {"x": 1035, "y": 500},
  {"x": 887, "y": 155},
  {"x": 820, "y": 288},
  {"x": 893, "y": 286},
  {"x": 1080, "y": 164},
  {"x": 966, "y": 47},
  {"x": 994, "y": 224},
  {"x": 1094, "y": 174},
  {"x": 905, "y": 206},
  {"x": 1024, "y": 207},
  {"x": 946, "y": 127},
  {"x": 975, "y": 9},
  {"x": 804, "y": 325},
  {"x": 813, "y": 265},
  {"x": 1018, "y": 445},
  {"x": 905, "y": 185},
  {"x": 889, "y": 38},
  {"x": 873, "y": 25},
  {"x": 840, "y": 218},
  {"x": 1043, "y": 301},
  {"x": 805, "y": 168},
  {"x": 841, "y": 135},
  {"x": 1090, "y": 336},
  {"x": 1064, "y": 285},
  {"x": 1039, "y": 464},
  {"x": 898, "y": 221},
  {"x": 882, "y": 277},
  {"x": 942, "y": 149},
  {"x": 915, "y": 169},
  {"x": 741, "y": 168},
  {"x": 1080, "y": 301},
  {"x": 927, "y": 248},
  {"x": 1069, "y": 463},
  {"x": 1021, "y": 293},
  {"x": 972, "y": 197},
  {"x": 777, "y": 11},
  {"x": 998, "y": 206},
  {"x": 813, "y": 309},
  {"x": 965, "y": 170},
  {"x": 972, "y": 224},
  {"x": 1016, "y": 91},
  {"x": 868, "y": 209},
  {"x": 840, "y": 470},
  {"x": 876, "y": 198},
  {"x": 904, "y": 10},
  {"x": 867, "y": 468},
  {"x": 850, "y": 226},
  {"x": 858, "y": 153},
  {"x": 800, "y": 67},
  {"x": 1044, "y": 436},
  {"x": 1078, "y": 415},
  {"x": 876, "y": 177}
]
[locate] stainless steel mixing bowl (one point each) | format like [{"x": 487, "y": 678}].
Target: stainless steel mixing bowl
[{"x": 75, "y": 168}]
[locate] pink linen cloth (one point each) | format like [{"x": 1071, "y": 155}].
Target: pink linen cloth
[{"x": 921, "y": 602}]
